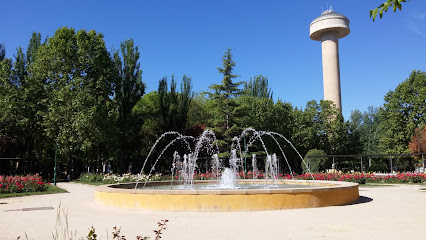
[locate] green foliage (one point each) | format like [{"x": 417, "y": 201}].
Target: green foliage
[
  {"x": 223, "y": 95},
  {"x": 72, "y": 91},
  {"x": 129, "y": 89},
  {"x": 395, "y": 4},
  {"x": 258, "y": 87},
  {"x": 315, "y": 164},
  {"x": 378, "y": 166},
  {"x": 224, "y": 107},
  {"x": 198, "y": 112},
  {"x": 364, "y": 131},
  {"x": 20, "y": 102},
  {"x": 402, "y": 113},
  {"x": 76, "y": 72},
  {"x": 33, "y": 46},
  {"x": 164, "y": 110},
  {"x": 93, "y": 178},
  {"x": 20, "y": 70},
  {"x": 2, "y": 52},
  {"x": 320, "y": 126}
]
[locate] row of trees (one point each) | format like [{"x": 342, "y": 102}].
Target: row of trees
[{"x": 72, "y": 92}]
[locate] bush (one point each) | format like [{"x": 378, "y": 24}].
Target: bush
[
  {"x": 92, "y": 178},
  {"x": 315, "y": 164},
  {"x": 417, "y": 178},
  {"x": 18, "y": 184},
  {"x": 113, "y": 178},
  {"x": 378, "y": 167}
]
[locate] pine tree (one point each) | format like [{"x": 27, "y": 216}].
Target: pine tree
[{"x": 223, "y": 96}]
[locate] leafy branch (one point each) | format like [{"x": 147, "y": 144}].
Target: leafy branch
[{"x": 395, "y": 4}]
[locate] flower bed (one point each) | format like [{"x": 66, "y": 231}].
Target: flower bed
[
  {"x": 19, "y": 184},
  {"x": 114, "y": 178},
  {"x": 360, "y": 178}
]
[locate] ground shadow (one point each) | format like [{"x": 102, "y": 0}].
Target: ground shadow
[{"x": 361, "y": 200}]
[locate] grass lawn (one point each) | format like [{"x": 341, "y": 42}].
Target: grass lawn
[{"x": 51, "y": 189}]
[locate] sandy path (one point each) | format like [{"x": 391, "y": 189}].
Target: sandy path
[{"x": 396, "y": 212}]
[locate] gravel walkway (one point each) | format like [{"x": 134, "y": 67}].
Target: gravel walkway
[{"x": 396, "y": 212}]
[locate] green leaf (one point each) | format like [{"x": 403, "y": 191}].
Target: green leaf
[
  {"x": 374, "y": 13},
  {"x": 386, "y": 6}
]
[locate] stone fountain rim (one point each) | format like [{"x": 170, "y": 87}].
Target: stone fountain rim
[{"x": 320, "y": 185}]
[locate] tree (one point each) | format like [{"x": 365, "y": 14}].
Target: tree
[
  {"x": 162, "y": 111},
  {"x": 73, "y": 75},
  {"x": 20, "y": 67},
  {"x": 33, "y": 46},
  {"x": 395, "y": 4},
  {"x": 258, "y": 87},
  {"x": 8, "y": 94},
  {"x": 185, "y": 99},
  {"x": 129, "y": 89},
  {"x": 320, "y": 126},
  {"x": 418, "y": 141},
  {"x": 403, "y": 111},
  {"x": 2, "y": 52},
  {"x": 174, "y": 106},
  {"x": 198, "y": 114},
  {"x": 223, "y": 96},
  {"x": 147, "y": 108},
  {"x": 364, "y": 131},
  {"x": 168, "y": 103},
  {"x": 19, "y": 107}
]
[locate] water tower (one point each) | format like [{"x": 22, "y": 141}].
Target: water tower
[{"x": 328, "y": 28}]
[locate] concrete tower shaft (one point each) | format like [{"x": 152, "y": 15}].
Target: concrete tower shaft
[
  {"x": 331, "y": 68},
  {"x": 329, "y": 28}
]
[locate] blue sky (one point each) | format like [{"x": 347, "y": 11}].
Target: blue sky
[{"x": 269, "y": 37}]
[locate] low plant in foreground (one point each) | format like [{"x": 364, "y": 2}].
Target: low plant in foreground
[
  {"x": 116, "y": 233},
  {"x": 64, "y": 232}
]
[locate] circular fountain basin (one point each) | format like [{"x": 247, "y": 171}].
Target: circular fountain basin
[{"x": 300, "y": 194}]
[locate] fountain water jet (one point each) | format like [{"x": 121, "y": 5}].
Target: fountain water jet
[{"x": 230, "y": 193}]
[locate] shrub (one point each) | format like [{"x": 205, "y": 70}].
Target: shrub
[
  {"x": 18, "y": 184},
  {"x": 315, "y": 164},
  {"x": 113, "y": 178}
]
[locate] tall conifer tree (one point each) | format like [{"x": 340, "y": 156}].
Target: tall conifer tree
[{"x": 223, "y": 96}]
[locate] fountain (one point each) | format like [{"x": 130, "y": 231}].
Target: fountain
[{"x": 228, "y": 192}]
